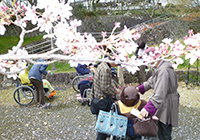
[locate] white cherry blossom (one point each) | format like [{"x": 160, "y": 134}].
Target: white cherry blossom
[
  {"x": 20, "y": 22},
  {"x": 78, "y": 48},
  {"x": 192, "y": 41},
  {"x": 167, "y": 40},
  {"x": 2, "y": 29},
  {"x": 31, "y": 15}
]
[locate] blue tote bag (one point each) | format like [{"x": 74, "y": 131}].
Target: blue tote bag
[{"x": 111, "y": 123}]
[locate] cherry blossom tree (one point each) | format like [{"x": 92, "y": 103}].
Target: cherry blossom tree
[{"x": 77, "y": 48}]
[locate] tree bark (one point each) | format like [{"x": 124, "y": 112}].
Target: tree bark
[{"x": 120, "y": 75}]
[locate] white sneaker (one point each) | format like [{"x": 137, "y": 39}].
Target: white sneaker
[{"x": 45, "y": 105}]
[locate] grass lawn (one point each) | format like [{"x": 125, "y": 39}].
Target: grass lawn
[
  {"x": 6, "y": 43},
  {"x": 62, "y": 66}
]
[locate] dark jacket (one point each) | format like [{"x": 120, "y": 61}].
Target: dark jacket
[
  {"x": 87, "y": 81},
  {"x": 82, "y": 69}
]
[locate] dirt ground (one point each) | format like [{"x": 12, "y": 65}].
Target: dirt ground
[{"x": 68, "y": 119}]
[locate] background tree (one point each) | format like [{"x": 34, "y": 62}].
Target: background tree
[
  {"x": 26, "y": 2},
  {"x": 189, "y": 3},
  {"x": 78, "y": 48},
  {"x": 33, "y": 2},
  {"x": 149, "y": 7},
  {"x": 94, "y": 4}
]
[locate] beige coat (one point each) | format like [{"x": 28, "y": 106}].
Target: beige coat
[{"x": 165, "y": 97}]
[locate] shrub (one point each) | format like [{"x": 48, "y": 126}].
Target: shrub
[{"x": 79, "y": 11}]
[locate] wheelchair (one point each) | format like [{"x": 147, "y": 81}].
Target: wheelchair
[
  {"x": 23, "y": 95},
  {"x": 80, "y": 77},
  {"x": 77, "y": 80}
]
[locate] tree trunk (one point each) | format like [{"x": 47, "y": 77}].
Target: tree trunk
[{"x": 120, "y": 75}]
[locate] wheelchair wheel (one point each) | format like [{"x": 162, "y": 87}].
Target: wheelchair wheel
[
  {"x": 24, "y": 95},
  {"x": 75, "y": 82},
  {"x": 88, "y": 94}
]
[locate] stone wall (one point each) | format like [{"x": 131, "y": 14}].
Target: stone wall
[
  {"x": 65, "y": 79},
  {"x": 107, "y": 23},
  {"x": 173, "y": 29},
  {"x": 13, "y": 30}
]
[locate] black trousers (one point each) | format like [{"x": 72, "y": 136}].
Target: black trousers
[
  {"x": 164, "y": 131},
  {"x": 82, "y": 88}
]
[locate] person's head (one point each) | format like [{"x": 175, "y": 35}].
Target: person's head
[
  {"x": 142, "y": 45},
  {"x": 154, "y": 55},
  {"x": 27, "y": 66},
  {"x": 97, "y": 64},
  {"x": 90, "y": 64},
  {"x": 105, "y": 48},
  {"x": 129, "y": 96},
  {"x": 113, "y": 65},
  {"x": 47, "y": 60},
  {"x": 112, "y": 59}
]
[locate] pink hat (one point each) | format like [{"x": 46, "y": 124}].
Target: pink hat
[{"x": 152, "y": 49}]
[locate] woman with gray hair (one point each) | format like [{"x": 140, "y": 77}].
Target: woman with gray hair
[{"x": 164, "y": 103}]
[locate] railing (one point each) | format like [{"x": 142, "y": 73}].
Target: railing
[
  {"x": 46, "y": 45},
  {"x": 193, "y": 79},
  {"x": 43, "y": 46}
]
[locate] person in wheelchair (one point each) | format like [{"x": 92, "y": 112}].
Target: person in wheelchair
[
  {"x": 86, "y": 84},
  {"x": 23, "y": 77},
  {"x": 130, "y": 98},
  {"x": 49, "y": 90},
  {"x": 83, "y": 69},
  {"x": 82, "y": 86}
]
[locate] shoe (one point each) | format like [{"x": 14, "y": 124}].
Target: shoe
[
  {"x": 45, "y": 105},
  {"x": 52, "y": 94},
  {"x": 78, "y": 95},
  {"x": 50, "y": 97},
  {"x": 79, "y": 98},
  {"x": 39, "y": 105},
  {"x": 83, "y": 101},
  {"x": 80, "y": 101}
]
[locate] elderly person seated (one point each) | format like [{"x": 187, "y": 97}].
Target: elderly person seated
[{"x": 129, "y": 99}]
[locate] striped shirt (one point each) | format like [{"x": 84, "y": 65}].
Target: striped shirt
[{"x": 102, "y": 81}]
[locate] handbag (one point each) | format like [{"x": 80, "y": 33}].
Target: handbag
[
  {"x": 147, "y": 127},
  {"x": 111, "y": 123},
  {"x": 100, "y": 104}
]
